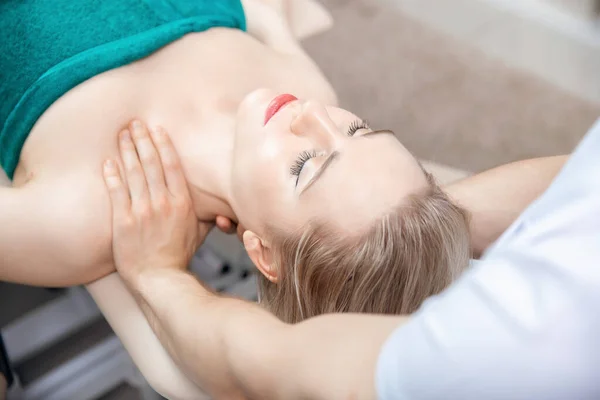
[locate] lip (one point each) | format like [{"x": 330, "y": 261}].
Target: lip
[{"x": 277, "y": 104}]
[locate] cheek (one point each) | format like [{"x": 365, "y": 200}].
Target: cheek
[
  {"x": 271, "y": 167},
  {"x": 269, "y": 150},
  {"x": 262, "y": 170}
]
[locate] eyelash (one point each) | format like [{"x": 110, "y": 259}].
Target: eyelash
[
  {"x": 296, "y": 168},
  {"x": 357, "y": 125},
  {"x": 300, "y": 161}
]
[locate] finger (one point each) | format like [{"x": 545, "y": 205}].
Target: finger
[
  {"x": 117, "y": 189},
  {"x": 225, "y": 224},
  {"x": 134, "y": 173},
  {"x": 150, "y": 161},
  {"x": 240, "y": 232},
  {"x": 204, "y": 229},
  {"x": 176, "y": 182},
  {"x": 122, "y": 172}
]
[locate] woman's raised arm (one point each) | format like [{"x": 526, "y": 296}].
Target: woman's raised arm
[{"x": 495, "y": 198}]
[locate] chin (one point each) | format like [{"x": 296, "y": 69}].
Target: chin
[
  {"x": 260, "y": 96},
  {"x": 251, "y": 111},
  {"x": 252, "y": 104}
]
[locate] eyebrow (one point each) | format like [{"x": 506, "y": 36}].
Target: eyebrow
[
  {"x": 379, "y": 132},
  {"x": 334, "y": 156}
]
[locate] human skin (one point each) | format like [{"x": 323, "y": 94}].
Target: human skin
[
  {"x": 192, "y": 86},
  {"x": 49, "y": 235},
  {"x": 205, "y": 87},
  {"x": 329, "y": 357},
  {"x": 56, "y": 217},
  {"x": 154, "y": 236}
]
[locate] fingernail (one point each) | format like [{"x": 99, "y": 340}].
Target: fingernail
[
  {"x": 137, "y": 125},
  {"x": 109, "y": 165}
]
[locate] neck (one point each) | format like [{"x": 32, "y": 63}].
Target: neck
[{"x": 206, "y": 156}]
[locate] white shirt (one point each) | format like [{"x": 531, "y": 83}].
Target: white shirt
[{"x": 524, "y": 322}]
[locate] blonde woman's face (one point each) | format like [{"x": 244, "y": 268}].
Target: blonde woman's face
[{"x": 297, "y": 160}]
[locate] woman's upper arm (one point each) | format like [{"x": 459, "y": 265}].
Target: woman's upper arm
[
  {"x": 495, "y": 198},
  {"x": 129, "y": 323},
  {"x": 54, "y": 233}
]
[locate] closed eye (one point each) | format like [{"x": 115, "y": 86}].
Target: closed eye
[
  {"x": 303, "y": 157},
  {"x": 356, "y": 126}
]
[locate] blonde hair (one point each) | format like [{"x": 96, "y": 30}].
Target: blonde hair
[{"x": 404, "y": 257}]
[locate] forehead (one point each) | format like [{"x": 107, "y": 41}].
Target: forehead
[{"x": 371, "y": 176}]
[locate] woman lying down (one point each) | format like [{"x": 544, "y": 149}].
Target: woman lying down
[{"x": 339, "y": 217}]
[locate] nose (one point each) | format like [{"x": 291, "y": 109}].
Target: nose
[{"x": 314, "y": 122}]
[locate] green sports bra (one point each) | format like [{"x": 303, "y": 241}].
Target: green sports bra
[{"x": 50, "y": 46}]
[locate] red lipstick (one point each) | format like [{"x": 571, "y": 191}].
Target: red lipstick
[{"x": 276, "y": 104}]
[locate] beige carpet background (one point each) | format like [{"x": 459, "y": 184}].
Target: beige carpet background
[{"x": 447, "y": 102}]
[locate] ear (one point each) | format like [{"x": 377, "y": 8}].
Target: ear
[{"x": 260, "y": 254}]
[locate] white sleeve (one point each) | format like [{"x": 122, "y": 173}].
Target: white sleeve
[{"x": 524, "y": 323}]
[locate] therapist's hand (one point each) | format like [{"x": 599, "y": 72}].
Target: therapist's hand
[
  {"x": 228, "y": 226},
  {"x": 154, "y": 224}
]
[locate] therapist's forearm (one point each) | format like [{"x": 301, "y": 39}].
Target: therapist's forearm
[
  {"x": 221, "y": 340},
  {"x": 495, "y": 198},
  {"x": 192, "y": 322}
]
